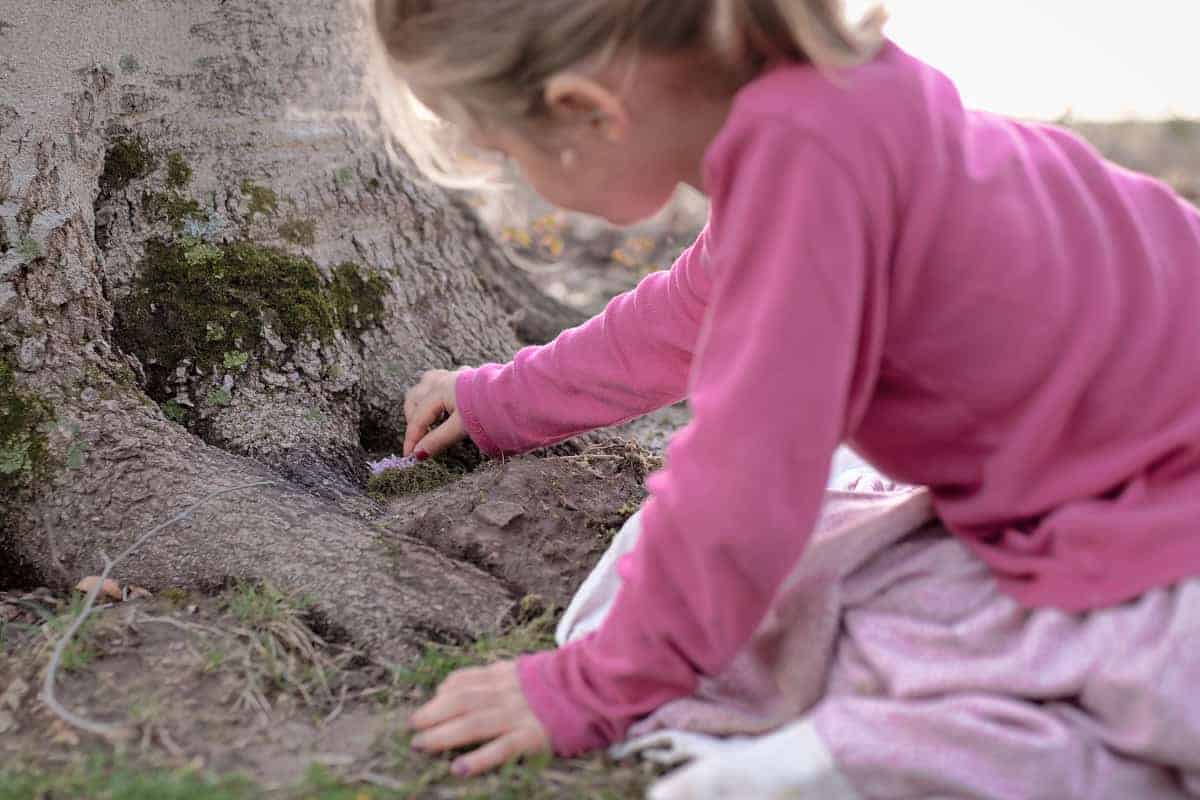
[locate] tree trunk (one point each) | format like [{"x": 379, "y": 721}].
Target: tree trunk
[{"x": 210, "y": 275}]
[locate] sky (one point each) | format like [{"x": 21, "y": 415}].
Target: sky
[{"x": 1097, "y": 59}]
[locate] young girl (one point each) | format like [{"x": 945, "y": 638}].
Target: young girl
[{"x": 977, "y": 305}]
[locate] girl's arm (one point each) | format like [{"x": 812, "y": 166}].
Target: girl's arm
[
  {"x": 628, "y": 361},
  {"x": 785, "y": 361}
]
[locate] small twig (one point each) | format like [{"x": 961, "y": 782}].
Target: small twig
[
  {"x": 47, "y": 693},
  {"x": 169, "y": 743},
  {"x": 186, "y": 627},
  {"x": 382, "y": 781},
  {"x": 338, "y": 710}
]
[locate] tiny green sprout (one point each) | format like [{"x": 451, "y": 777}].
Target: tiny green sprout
[
  {"x": 343, "y": 176},
  {"x": 220, "y": 397},
  {"x": 236, "y": 359},
  {"x": 174, "y": 412}
]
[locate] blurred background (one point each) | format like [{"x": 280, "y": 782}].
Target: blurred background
[{"x": 1122, "y": 74}]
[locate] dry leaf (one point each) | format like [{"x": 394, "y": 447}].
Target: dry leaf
[
  {"x": 138, "y": 593},
  {"x": 111, "y": 589}
]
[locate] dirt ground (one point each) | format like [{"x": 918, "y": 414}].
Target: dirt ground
[
  {"x": 245, "y": 693},
  {"x": 249, "y": 682}
]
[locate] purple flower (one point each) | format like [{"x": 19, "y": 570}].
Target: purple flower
[{"x": 392, "y": 462}]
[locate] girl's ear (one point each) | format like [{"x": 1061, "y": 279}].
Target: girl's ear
[{"x": 575, "y": 98}]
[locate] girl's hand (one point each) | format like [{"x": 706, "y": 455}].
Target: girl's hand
[
  {"x": 480, "y": 705},
  {"x": 423, "y": 404}
]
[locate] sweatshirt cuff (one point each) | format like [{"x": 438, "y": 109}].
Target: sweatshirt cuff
[
  {"x": 571, "y": 732},
  {"x": 466, "y": 402}
]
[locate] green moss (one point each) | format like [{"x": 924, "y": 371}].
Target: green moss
[
  {"x": 302, "y": 232},
  {"x": 23, "y": 421},
  {"x": 358, "y": 299},
  {"x": 129, "y": 64},
  {"x": 415, "y": 480},
  {"x": 236, "y": 359},
  {"x": 262, "y": 200},
  {"x": 197, "y": 301},
  {"x": 179, "y": 174},
  {"x": 343, "y": 176},
  {"x": 173, "y": 208},
  {"x": 127, "y": 160},
  {"x": 28, "y": 249},
  {"x": 3, "y": 235}
]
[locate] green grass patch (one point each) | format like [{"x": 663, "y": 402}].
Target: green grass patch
[
  {"x": 80, "y": 651},
  {"x": 534, "y": 631},
  {"x": 104, "y": 778},
  {"x": 260, "y": 605}
]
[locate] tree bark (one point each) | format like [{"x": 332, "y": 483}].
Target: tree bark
[{"x": 163, "y": 159}]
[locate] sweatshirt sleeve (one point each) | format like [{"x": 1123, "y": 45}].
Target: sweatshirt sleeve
[
  {"x": 633, "y": 358},
  {"x": 731, "y": 513}
]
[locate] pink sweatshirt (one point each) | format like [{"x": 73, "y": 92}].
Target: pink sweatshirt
[{"x": 981, "y": 306}]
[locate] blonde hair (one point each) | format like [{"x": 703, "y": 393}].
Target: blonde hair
[{"x": 489, "y": 61}]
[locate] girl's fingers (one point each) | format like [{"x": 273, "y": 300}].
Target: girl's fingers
[
  {"x": 424, "y": 415},
  {"x": 465, "y": 678},
  {"x": 479, "y": 725},
  {"x": 443, "y": 436},
  {"x": 498, "y": 752},
  {"x": 446, "y": 705}
]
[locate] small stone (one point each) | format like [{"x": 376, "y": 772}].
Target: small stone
[{"x": 498, "y": 513}]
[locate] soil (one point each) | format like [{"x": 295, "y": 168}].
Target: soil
[
  {"x": 202, "y": 689},
  {"x": 248, "y": 680}
]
